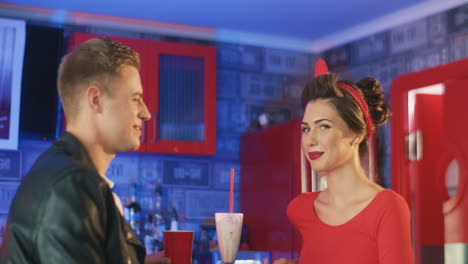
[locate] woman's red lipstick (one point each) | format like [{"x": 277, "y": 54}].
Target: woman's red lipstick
[{"x": 315, "y": 155}]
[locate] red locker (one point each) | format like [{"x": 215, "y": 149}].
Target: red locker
[{"x": 271, "y": 177}]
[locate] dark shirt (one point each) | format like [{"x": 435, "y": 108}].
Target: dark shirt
[{"x": 64, "y": 212}]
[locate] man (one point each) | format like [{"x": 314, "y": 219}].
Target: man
[{"x": 64, "y": 210}]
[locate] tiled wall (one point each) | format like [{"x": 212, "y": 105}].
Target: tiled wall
[{"x": 421, "y": 44}]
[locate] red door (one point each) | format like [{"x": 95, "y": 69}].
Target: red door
[
  {"x": 440, "y": 220},
  {"x": 427, "y": 178}
]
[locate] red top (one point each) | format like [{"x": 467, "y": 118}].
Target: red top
[{"x": 379, "y": 234}]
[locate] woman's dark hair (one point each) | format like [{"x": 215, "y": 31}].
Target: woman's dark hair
[{"x": 325, "y": 87}]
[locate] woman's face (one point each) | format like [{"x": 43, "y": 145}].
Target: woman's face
[{"x": 326, "y": 139}]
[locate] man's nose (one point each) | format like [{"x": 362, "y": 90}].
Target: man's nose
[{"x": 144, "y": 113}]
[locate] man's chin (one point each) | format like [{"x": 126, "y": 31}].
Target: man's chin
[
  {"x": 135, "y": 148},
  {"x": 131, "y": 147}
]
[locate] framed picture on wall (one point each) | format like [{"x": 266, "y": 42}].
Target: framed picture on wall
[
  {"x": 12, "y": 41},
  {"x": 7, "y": 193},
  {"x": 10, "y": 165}
]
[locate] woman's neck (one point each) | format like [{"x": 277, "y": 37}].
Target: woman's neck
[{"x": 345, "y": 182}]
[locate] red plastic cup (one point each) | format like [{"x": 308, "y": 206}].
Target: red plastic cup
[{"x": 178, "y": 246}]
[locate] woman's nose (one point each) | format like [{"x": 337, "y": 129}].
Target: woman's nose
[{"x": 311, "y": 138}]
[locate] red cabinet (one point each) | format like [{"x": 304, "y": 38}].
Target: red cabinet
[
  {"x": 271, "y": 177},
  {"x": 179, "y": 82}
]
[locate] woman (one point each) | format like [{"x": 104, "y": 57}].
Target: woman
[{"x": 353, "y": 220}]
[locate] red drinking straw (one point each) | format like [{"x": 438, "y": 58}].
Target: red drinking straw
[{"x": 231, "y": 193}]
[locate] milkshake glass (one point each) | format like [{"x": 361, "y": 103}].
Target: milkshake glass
[{"x": 228, "y": 230}]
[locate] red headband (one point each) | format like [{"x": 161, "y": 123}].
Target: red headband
[{"x": 321, "y": 68}]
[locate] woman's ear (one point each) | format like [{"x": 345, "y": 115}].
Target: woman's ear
[{"x": 357, "y": 139}]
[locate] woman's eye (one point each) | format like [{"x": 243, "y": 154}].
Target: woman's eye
[
  {"x": 305, "y": 129},
  {"x": 324, "y": 127}
]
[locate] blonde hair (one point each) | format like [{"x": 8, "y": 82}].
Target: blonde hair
[{"x": 92, "y": 62}]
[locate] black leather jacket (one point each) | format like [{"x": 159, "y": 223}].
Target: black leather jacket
[{"x": 64, "y": 212}]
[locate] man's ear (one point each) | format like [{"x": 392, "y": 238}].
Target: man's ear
[{"x": 94, "y": 96}]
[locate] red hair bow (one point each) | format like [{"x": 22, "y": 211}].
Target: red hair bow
[{"x": 322, "y": 68}]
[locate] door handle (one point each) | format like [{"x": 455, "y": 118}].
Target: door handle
[{"x": 414, "y": 146}]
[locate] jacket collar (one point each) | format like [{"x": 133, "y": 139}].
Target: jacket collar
[
  {"x": 73, "y": 148},
  {"x": 78, "y": 153}
]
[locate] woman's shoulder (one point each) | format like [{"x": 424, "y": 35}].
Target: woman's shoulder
[
  {"x": 300, "y": 204},
  {"x": 391, "y": 195},
  {"x": 304, "y": 198},
  {"x": 307, "y": 195},
  {"x": 392, "y": 200}
]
